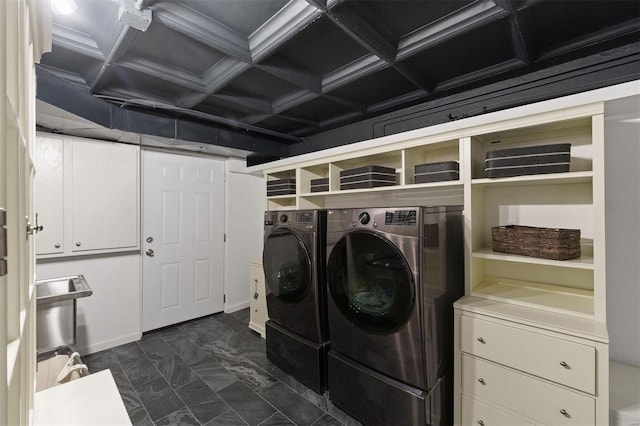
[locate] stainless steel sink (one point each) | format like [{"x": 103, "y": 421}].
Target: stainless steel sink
[
  {"x": 59, "y": 289},
  {"x": 56, "y": 311}
]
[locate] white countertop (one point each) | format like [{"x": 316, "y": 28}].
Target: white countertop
[{"x": 91, "y": 400}]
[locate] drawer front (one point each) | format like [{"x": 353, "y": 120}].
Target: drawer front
[
  {"x": 477, "y": 413},
  {"x": 568, "y": 363},
  {"x": 534, "y": 398}
]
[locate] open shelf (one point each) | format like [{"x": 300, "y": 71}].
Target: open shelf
[
  {"x": 453, "y": 184},
  {"x": 547, "y": 179},
  {"x": 583, "y": 262},
  {"x": 567, "y": 300}
]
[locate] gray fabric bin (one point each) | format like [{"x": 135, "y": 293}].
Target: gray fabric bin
[
  {"x": 281, "y": 187},
  {"x": 319, "y": 185},
  {"x": 367, "y": 177},
  {"x": 531, "y": 160},
  {"x": 437, "y": 172}
]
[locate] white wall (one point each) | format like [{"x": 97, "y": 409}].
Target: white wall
[
  {"x": 111, "y": 315},
  {"x": 622, "y": 197},
  {"x": 245, "y": 208}
]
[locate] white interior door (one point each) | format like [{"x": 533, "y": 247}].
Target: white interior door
[{"x": 182, "y": 238}]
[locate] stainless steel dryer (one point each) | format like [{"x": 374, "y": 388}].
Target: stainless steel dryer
[
  {"x": 393, "y": 275},
  {"x": 294, "y": 267}
]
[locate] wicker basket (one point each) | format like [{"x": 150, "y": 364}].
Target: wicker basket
[{"x": 546, "y": 243}]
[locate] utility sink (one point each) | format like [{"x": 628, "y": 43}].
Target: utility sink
[
  {"x": 56, "y": 311},
  {"x": 59, "y": 289}
]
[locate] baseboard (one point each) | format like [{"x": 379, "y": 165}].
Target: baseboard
[
  {"x": 236, "y": 307},
  {"x": 107, "y": 344}
]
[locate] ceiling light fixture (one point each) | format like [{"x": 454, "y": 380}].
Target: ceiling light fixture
[{"x": 63, "y": 7}]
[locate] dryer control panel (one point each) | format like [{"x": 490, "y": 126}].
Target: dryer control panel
[{"x": 400, "y": 217}]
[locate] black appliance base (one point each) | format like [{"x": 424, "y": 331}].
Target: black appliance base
[
  {"x": 303, "y": 359},
  {"x": 375, "y": 399}
]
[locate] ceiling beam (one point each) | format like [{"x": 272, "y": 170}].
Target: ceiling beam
[
  {"x": 366, "y": 29},
  {"x": 253, "y": 103},
  {"x": 474, "y": 15},
  {"x": 284, "y": 70},
  {"x": 397, "y": 101},
  {"x": 75, "y": 41},
  {"x": 215, "y": 79},
  {"x": 286, "y": 23},
  {"x": 478, "y": 75},
  {"x": 120, "y": 45},
  {"x": 415, "y": 76},
  {"x": 625, "y": 28},
  {"x": 181, "y": 18},
  {"x": 290, "y": 100},
  {"x": 521, "y": 39},
  {"x": 352, "y": 71},
  {"x": 349, "y": 104},
  {"x": 318, "y": 4},
  {"x": 164, "y": 72}
]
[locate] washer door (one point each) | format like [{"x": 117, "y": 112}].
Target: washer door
[
  {"x": 370, "y": 282},
  {"x": 287, "y": 266}
]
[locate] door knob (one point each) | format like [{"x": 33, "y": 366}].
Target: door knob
[
  {"x": 150, "y": 253},
  {"x": 31, "y": 229}
]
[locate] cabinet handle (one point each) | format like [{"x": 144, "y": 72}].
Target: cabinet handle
[
  {"x": 564, "y": 364},
  {"x": 564, "y": 413},
  {"x": 481, "y": 340},
  {"x": 480, "y": 422},
  {"x": 57, "y": 245},
  {"x": 481, "y": 380},
  {"x": 78, "y": 244}
]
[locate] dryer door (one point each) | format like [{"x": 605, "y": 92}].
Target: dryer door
[
  {"x": 370, "y": 282},
  {"x": 287, "y": 266}
]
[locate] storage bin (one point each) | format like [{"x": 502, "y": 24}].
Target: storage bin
[
  {"x": 319, "y": 185},
  {"x": 545, "y": 243},
  {"x": 531, "y": 160},
  {"x": 367, "y": 177},
  {"x": 437, "y": 172},
  {"x": 281, "y": 187}
]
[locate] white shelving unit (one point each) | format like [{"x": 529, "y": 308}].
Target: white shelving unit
[{"x": 563, "y": 301}]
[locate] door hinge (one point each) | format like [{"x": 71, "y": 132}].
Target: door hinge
[
  {"x": 3, "y": 242},
  {"x": 225, "y": 238},
  {"x": 224, "y": 298}
]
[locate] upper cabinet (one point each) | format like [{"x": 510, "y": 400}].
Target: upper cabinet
[
  {"x": 87, "y": 196},
  {"x": 49, "y": 193}
]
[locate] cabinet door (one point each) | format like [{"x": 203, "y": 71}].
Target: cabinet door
[
  {"x": 104, "y": 213},
  {"x": 49, "y": 194}
]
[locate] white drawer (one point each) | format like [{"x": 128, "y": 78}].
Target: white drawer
[
  {"x": 521, "y": 393},
  {"x": 477, "y": 413},
  {"x": 568, "y": 363}
]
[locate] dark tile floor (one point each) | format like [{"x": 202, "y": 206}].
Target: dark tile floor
[{"x": 210, "y": 371}]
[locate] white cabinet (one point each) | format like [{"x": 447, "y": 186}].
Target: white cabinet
[
  {"x": 104, "y": 191},
  {"x": 258, "y": 300},
  {"x": 513, "y": 361},
  {"x": 49, "y": 193},
  {"x": 87, "y": 196}
]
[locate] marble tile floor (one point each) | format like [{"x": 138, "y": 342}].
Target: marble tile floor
[{"x": 210, "y": 371}]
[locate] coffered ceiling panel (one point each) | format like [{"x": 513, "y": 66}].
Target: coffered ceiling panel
[{"x": 298, "y": 67}]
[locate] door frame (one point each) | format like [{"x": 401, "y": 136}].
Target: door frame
[{"x": 144, "y": 148}]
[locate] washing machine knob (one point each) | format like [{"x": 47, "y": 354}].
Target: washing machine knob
[
  {"x": 364, "y": 218},
  {"x": 284, "y": 218}
]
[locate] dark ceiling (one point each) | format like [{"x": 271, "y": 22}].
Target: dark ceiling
[{"x": 300, "y": 67}]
